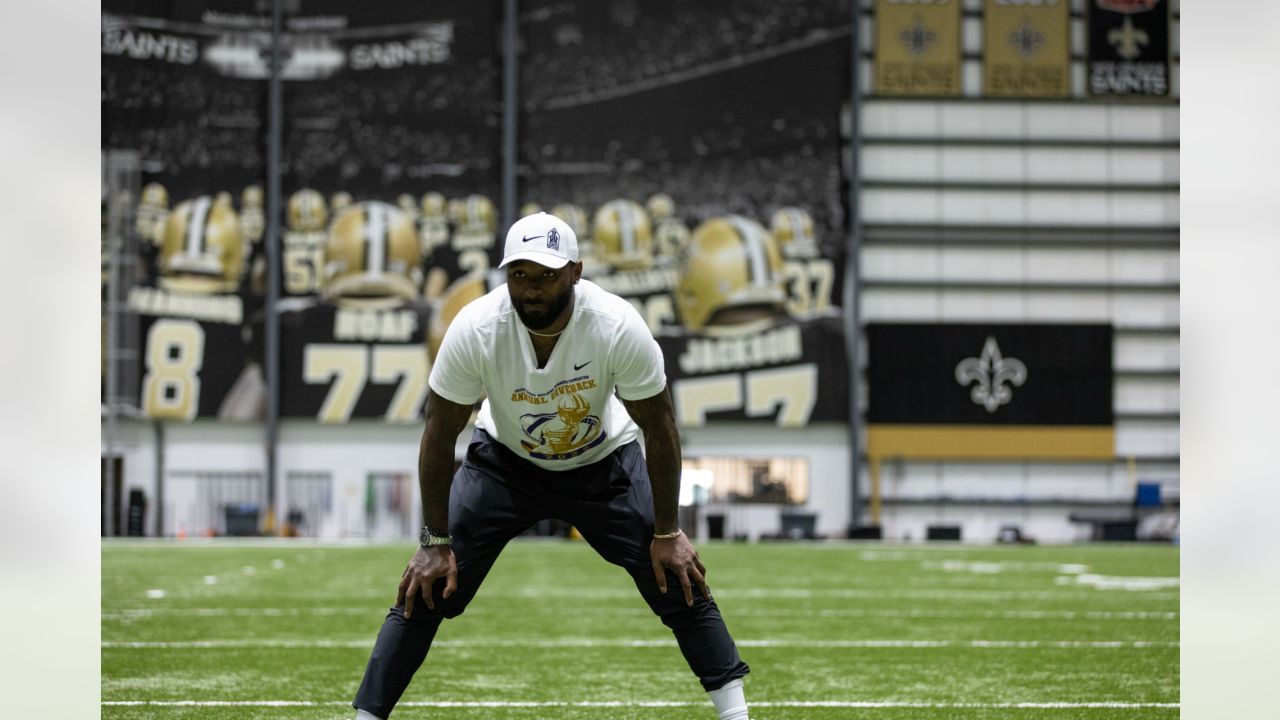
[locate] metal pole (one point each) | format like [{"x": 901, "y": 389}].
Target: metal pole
[
  {"x": 852, "y": 283},
  {"x": 272, "y": 370},
  {"x": 509, "y": 110},
  {"x": 159, "y": 433}
]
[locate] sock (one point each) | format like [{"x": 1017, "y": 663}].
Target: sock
[
  {"x": 730, "y": 701},
  {"x": 365, "y": 715}
]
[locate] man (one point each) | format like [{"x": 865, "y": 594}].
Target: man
[{"x": 547, "y": 351}]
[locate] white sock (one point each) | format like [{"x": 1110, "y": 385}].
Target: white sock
[
  {"x": 730, "y": 701},
  {"x": 366, "y": 715}
]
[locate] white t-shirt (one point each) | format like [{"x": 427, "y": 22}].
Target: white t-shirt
[{"x": 563, "y": 415}]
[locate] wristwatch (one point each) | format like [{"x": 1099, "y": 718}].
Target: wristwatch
[{"x": 431, "y": 538}]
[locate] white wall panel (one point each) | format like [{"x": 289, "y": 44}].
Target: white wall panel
[
  {"x": 1134, "y": 394},
  {"x": 1019, "y": 207},
  {"x": 1145, "y": 351},
  {"x": 1146, "y": 437}
]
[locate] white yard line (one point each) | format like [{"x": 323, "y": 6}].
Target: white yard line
[
  {"x": 134, "y": 613},
  {"x": 645, "y": 703},
  {"x": 587, "y": 642}
]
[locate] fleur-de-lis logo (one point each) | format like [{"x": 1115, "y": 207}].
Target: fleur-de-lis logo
[
  {"x": 1127, "y": 40},
  {"x": 991, "y": 371},
  {"x": 917, "y": 37},
  {"x": 1026, "y": 40}
]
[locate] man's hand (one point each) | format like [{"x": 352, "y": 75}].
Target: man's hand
[
  {"x": 677, "y": 553},
  {"x": 427, "y": 566}
]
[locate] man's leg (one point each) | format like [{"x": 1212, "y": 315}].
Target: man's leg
[
  {"x": 484, "y": 514},
  {"x": 620, "y": 529}
]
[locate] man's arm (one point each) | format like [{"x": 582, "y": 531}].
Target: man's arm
[
  {"x": 657, "y": 419},
  {"x": 445, "y": 419}
]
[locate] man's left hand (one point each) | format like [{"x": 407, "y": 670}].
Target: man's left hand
[{"x": 678, "y": 555}]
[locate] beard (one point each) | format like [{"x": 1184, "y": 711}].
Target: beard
[{"x": 542, "y": 316}]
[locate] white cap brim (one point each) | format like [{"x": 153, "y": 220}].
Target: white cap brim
[{"x": 545, "y": 259}]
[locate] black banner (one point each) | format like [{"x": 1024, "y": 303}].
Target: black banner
[
  {"x": 989, "y": 374},
  {"x": 1129, "y": 47}
]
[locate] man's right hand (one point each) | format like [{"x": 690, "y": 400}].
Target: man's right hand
[{"x": 427, "y": 566}]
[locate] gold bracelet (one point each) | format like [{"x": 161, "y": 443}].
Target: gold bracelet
[{"x": 668, "y": 536}]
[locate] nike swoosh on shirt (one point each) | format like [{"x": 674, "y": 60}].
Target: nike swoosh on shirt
[
  {"x": 579, "y": 367},
  {"x": 535, "y": 237}
]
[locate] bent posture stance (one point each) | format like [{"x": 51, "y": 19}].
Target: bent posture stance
[{"x": 569, "y": 374}]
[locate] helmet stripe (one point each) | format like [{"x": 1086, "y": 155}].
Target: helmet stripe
[
  {"x": 626, "y": 228},
  {"x": 753, "y": 242},
  {"x": 197, "y": 222},
  {"x": 376, "y": 238}
]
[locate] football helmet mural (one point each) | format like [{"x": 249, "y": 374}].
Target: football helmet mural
[
  {"x": 623, "y": 236},
  {"x": 660, "y": 207},
  {"x": 792, "y": 227},
  {"x": 474, "y": 213},
  {"x": 575, "y": 217},
  {"x": 433, "y": 205},
  {"x": 730, "y": 264},
  {"x": 253, "y": 217},
  {"x": 371, "y": 253},
  {"x": 202, "y": 249},
  {"x": 407, "y": 205},
  {"x": 153, "y": 208},
  {"x": 307, "y": 212},
  {"x": 530, "y": 208},
  {"x": 339, "y": 201},
  {"x": 451, "y": 303}
]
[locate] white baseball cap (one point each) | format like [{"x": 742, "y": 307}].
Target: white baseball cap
[{"x": 542, "y": 238}]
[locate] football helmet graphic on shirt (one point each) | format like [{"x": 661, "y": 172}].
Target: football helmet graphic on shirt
[
  {"x": 623, "y": 236},
  {"x": 792, "y": 227},
  {"x": 730, "y": 274},
  {"x": 202, "y": 250},
  {"x": 307, "y": 212},
  {"x": 371, "y": 253}
]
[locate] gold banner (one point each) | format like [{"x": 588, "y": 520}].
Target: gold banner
[
  {"x": 917, "y": 47},
  {"x": 990, "y": 442},
  {"x": 1027, "y": 48}
]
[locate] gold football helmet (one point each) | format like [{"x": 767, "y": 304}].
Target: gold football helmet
[
  {"x": 202, "y": 250},
  {"x": 623, "y": 236},
  {"x": 660, "y": 207},
  {"x": 474, "y": 213},
  {"x": 730, "y": 273},
  {"x": 339, "y": 201},
  {"x": 792, "y": 227},
  {"x": 530, "y": 208},
  {"x": 153, "y": 209},
  {"x": 307, "y": 212},
  {"x": 407, "y": 205},
  {"x": 253, "y": 218},
  {"x": 670, "y": 237},
  {"x": 456, "y": 297},
  {"x": 433, "y": 205},
  {"x": 372, "y": 253},
  {"x": 575, "y": 217}
]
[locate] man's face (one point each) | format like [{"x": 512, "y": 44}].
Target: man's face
[{"x": 541, "y": 294}]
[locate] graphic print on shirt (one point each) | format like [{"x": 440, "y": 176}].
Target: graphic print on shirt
[{"x": 565, "y": 432}]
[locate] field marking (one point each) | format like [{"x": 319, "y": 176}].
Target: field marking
[
  {"x": 1076, "y": 592},
  {"x": 650, "y": 704},
  {"x": 588, "y": 642},
  {"x": 133, "y": 613}
]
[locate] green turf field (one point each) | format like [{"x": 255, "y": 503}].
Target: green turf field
[{"x": 877, "y": 631}]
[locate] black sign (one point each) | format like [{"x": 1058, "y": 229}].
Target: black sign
[
  {"x": 1129, "y": 47},
  {"x": 990, "y": 374}
]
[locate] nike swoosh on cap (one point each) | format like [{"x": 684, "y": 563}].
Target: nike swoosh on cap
[{"x": 535, "y": 237}]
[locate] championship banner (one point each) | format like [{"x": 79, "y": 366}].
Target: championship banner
[
  {"x": 1027, "y": 51},
  {"x": 722, "y": 222},
  {"x": 917, "y": 47},
  {"x": 1129, "y": 48},
  {"x": 990, "y": 391}
]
